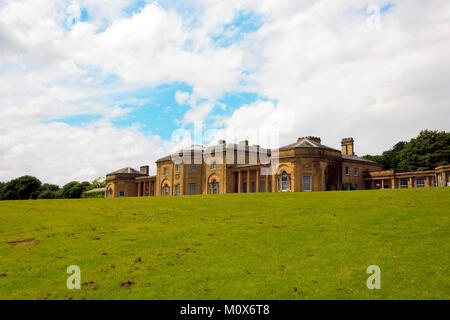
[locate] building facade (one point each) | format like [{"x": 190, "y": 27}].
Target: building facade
[{"x": 303, "y": 166}]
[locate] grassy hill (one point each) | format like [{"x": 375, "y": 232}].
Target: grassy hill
[{"x": 236, "y": 246}]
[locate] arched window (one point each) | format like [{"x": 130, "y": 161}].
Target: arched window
[
  {"x": 284, "y": 181},
  {"x": 214, "y": 186},
  {"x": 166, "y": 190}
]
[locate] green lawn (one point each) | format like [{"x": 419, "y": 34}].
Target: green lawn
[{"x": 248, "y": 246}]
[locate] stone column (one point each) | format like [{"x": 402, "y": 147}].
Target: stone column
[
  {"x": 410, "y": 182},
  {"x": 239, "y": 190},
  {"x": 393, "y": 183},
  {"x": 267, "y": 183},
  {"x": 248, "y": 181},
  {"x": 257, "y": 179}
]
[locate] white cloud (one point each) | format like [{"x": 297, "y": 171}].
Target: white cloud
[
  {"x": 322, "y": 70},
  {"x": 181, "y": 97}
]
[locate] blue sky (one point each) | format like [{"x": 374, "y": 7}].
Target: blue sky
[
  {"x": 87, "y": 87},
  {"x": 153, "y": 109}
]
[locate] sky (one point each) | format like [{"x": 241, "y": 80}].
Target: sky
[{"x": 91, "y": 86}]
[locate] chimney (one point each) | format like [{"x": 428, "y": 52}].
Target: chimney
[
  {"x": 144, "y": 169},
  {"x": 348, "y": 146},
  {"x": 244, "y": 143}
]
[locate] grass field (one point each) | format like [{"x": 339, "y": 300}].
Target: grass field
[{"x": 237, "y": 246}]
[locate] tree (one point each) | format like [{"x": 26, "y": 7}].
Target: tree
[
  {"x": 430, "y": 149},
  {"x": 21, "y": 188},
  {"x": 47, "y": 191},
  {"x": 74, "y": 189},
  {"x": 427, "y": 151},
  {"x": 98, "y": 183}
]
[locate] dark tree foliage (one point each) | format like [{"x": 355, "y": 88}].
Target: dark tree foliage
[
  {"x": 21, "y": 188},
  {"x": 427, "y": 151},
  {"x": 74, "y": 189}
]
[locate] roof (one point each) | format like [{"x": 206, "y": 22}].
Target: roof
[
  {"x": 127, "y": 170},
  {"x": 209, "y": 149},
  {"x": 306, "y": 143},
  {"x": 356, "y": 158},
  {"x": 96, "y": 190}
]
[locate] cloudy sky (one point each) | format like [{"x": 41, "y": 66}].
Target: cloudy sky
[{"x": 90, "y": 86}]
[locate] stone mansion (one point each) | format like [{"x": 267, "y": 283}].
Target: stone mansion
[{"x": 305, "y": 165}]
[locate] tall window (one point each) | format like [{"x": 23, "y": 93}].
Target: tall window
[
  {"x": 193, "y": 167},
  {"x": 244, "y": 187},
  {"x": 122, "y": 194},
  {"x": 347, "y": 171},
  {"x": 213, "y": 165},
  {"x": 177, "y": 190},
  {"x": 214, "y": 187},
  {"x": 192, "y": 188},
  {"x": 166, "y": 171},
  {"x": 355, "y": 172},
  {"x": 253, "y": 186},
  {"x": 307, "y": 183},
  {"x": 262, "y": 186},
  {"x": 110, "y": 193},
  {"x": 403, "y": 183},
  {"x": 420, "y": 182},
  {"x": 166, "y": 190},
  {"x": 284, "y": 181},
  {"x": 177, "y": 167}
]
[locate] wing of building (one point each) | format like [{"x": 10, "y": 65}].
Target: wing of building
[{"x": 305, "y": 165}]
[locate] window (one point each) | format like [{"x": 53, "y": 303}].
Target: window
[
  {"x": 253, "y": 186},
  {"x": 193, "y": 167},
  {"x": 122, "y": 194},
  {"x": 214, "y": 187},
  {"x": 403, "y": 183},
  {"x": 166, "y": 171},
  {"x": 166, "y": 189},
  {"x": 262, "y": 186},
  {"x": 177, "y": 167},
  {"x": 192, "y": 189},
  {"x": 284, "y": 181},
  {"x": 244, "y": 187},
  {"x": 356, "y": 187},
  {"x": 110, "y": 193},
  {"x": 347, "y": 171},
  {"x": 348, "y": 186},
  {"x": 420, "y": 182},
  {"x": 307, "y": 183},
  {"x": 177, "y": 190},
  {"x": 355, "y": 172},
  {"x": 213, "y": 165}
]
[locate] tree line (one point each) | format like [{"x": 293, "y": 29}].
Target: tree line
[
  {"x": 28, "y": 187},
  {"x": 430, "y": 149}
]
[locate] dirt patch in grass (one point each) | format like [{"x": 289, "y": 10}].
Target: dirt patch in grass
[{"x": 22, "y": 242}]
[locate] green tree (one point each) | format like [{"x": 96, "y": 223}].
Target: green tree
[
  {"x": 74, "y": 189},
  {"x": 47, "y": 191},
  {"x": 48, "y": 194},
  {"x": 427, "y": 151},
  {"x": 21, "y": 188}
]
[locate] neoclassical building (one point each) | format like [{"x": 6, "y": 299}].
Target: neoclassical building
[{"x": 302, "y": 166}]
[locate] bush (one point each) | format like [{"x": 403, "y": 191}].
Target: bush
[{"x": 97, "y": 194}]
